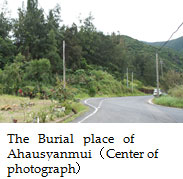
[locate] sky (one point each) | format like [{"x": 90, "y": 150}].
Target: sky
[{"x": 146, "y": 20}]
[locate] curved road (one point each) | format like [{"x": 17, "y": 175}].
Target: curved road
[{"x": 128, "y": 110}]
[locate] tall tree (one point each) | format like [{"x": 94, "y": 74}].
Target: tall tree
[
  {"x": 5, "y": 22},
  {"x": 88, "y": 40},
  {"x": 52, "y": 53},
  {"x": 73, "y": 48},
  {"x": 54, "y": 19},
  {"x": 7, "y": 49},
  {"x": 30, "y": 31}
]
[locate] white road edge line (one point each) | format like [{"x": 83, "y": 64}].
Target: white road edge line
[
  {"x": 95, "y": 109},
  {"x": 150, "y": 101}
]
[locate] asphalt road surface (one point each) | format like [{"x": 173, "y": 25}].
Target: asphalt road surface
[{"x": 128, "y": 110}]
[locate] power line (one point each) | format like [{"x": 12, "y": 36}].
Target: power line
[
  {"x": 157, "y": 60},
  {"x": 170, "y": 37}
]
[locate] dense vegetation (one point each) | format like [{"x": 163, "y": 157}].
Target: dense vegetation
[
  {"x": 174, "y": 99},
  {"x": 176, "y": 44},
  {"x": 172, "y": 82},
  {"x": 31, "y": 57}
]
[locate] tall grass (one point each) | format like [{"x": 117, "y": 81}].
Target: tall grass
[{"x": 169, "y": 101}]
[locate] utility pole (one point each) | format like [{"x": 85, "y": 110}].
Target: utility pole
[
  {"x": 157, "y": 74},
  {"x": 132, "y": 82},
  {"x": 64, "y": 63},
  {"x": 127, "y": 78},
  {"x": 161, "y": 63}
]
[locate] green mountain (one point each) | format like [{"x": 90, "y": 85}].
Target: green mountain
[
  {"x": 142, "y": 56},
  {"x": 176, "y": 44}
]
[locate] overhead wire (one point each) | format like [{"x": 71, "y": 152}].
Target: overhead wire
[{"x": 170, "y": 37}]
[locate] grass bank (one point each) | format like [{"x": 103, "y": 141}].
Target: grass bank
[
  {"x": 25, "y": 110},
  {"x": 21, "y": 109},
  {"x": 169, "y": 101}
]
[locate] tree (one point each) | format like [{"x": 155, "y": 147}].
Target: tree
[
  {"x": 7, "y": 49},
  {"x": 5, "y": 22},
  {"x": 73, "y": 48},
  {"x": 30, "y": 31},
  {"x": 54, "y": 19},
  {"x": 39, "y": 71},
  {"x": 171, "y": 79},
  {"x": 52, "y": 53},
  {"x": 12, "y": 76},
  {"x": 88, "y": 40}
]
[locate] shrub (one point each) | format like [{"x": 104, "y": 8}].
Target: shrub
[
  {"x": 29, "y": 91},
  {"x": 1, "y": 75},
  {"x": 171, "y": 79},
  {"x": 38, "y": 70},
  {"x": 176, "y": 91},
  {"x": 1, "y": 89},
  {"x": 68, "y": 107},
  {"x": 92, "y": 88},
  {"x": 11, "y": 78},
  {"x": 42, "y": 114},
  {"x": 62, "y": 94}
]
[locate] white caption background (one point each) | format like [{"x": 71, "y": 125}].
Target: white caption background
[{"x": 161, "y": 147}]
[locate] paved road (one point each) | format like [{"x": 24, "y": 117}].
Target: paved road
[{"x": 128, "y": 110}]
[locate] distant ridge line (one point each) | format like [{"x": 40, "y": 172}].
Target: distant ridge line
[{"x": 176, "y": 44}]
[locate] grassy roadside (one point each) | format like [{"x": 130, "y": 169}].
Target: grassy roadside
[
  {"x": 20, "y": 108},
  {"x": 24, "y": 110},
  {"x": 81, "y": 109},
  {"x": 169, "y": 101}
]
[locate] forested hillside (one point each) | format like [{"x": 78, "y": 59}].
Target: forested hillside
[
  {"x": 31, "y": 53},
  {"x": 176, "y": 44}
]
